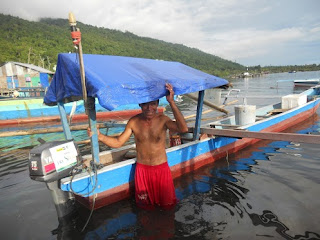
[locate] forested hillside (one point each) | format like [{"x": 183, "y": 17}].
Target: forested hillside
[{"x": 40, "y": 42}]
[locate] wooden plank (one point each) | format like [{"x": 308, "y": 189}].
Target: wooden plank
[
  {"x": 193, "y": 115},
  {"x": 275, "y": 136}
]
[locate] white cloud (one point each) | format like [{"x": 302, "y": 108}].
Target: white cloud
[
  {"x": 246, "y": 31},
  {"x": 251, "y": 42}
]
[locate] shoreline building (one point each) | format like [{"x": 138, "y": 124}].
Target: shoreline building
[{"x": 15, "y": 75}]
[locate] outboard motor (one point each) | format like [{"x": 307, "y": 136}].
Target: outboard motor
[{"x": 51, "y": 161}]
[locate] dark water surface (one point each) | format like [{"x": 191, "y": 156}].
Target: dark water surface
[{"x": 268, "y": 191}]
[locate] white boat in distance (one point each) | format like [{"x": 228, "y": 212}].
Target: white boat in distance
[{"x": 306, "y": 82}]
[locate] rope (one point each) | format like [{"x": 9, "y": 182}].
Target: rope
[{"x": 92, "y": 209}]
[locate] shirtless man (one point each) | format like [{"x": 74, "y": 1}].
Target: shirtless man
[{"x": 153, "y": 180}]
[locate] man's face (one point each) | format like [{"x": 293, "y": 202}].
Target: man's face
[{"x": 149, "y": 109}]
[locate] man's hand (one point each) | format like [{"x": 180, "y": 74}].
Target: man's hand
[
  {"x": 90, "y": 133},
  {"x": 171, "y": 93}
]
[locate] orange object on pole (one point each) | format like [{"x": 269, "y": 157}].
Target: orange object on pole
[{"x": 76, "y": 37}]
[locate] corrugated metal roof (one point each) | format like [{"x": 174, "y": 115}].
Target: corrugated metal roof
[{"x": 33, "y": 67}]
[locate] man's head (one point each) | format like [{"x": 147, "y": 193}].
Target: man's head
[{"x": 149, "y": 109}]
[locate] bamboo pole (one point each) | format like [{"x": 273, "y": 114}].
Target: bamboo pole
[
  {"x": 210, "y": 110},
  {"x": 193, "y": 115},
  {"x": 207, "y": 103}
]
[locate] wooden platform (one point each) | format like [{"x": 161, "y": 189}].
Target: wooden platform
[{"x": 275, "y": 136}]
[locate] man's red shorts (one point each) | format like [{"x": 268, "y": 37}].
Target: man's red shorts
[{"x": 154, "y": 186}]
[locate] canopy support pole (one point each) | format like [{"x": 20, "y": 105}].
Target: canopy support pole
[
  {"x": 198, "y": 117},
  {"x": 91, "y": 112},
  {"x": 64, "y": 121}
]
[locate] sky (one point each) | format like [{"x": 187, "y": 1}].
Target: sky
[{"x": 249, "y": 32}]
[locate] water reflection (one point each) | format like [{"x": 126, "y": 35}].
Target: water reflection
[
  {"x": 269, "y": 219},
  {"x": 208, "y": 198}
]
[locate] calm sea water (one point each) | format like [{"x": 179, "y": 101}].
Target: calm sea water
[{"x": 268, "y": 191}]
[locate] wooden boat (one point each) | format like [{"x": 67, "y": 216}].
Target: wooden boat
[
  {"x": 306, "y": 82},
  {"x": 114, "y": 182}
]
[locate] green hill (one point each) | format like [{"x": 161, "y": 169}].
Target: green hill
[{"x": 40, "y": 42}]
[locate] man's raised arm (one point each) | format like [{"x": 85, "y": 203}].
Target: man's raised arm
[
  {"x": 180, "y": 123},
  {"x": 114, "y": 142}
]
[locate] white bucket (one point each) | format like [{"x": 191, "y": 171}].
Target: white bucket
[{"x": 245, "y": 114}]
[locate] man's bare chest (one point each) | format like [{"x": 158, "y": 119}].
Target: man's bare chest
[{"x": 152, "y": 133}]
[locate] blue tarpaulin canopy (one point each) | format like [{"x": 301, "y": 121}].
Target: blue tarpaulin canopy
[{"x": 117, "y": 80}]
